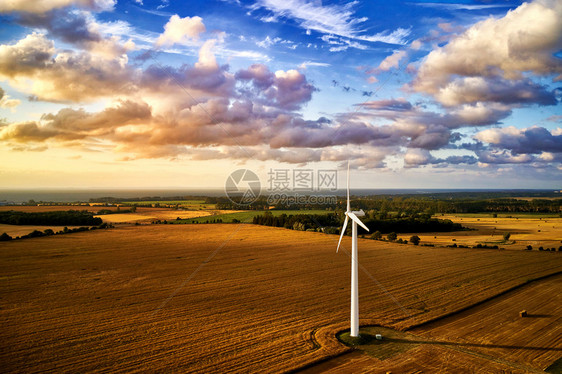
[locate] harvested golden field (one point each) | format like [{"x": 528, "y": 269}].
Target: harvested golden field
[
  {"x": 496, "y": 329},
  {"x": 213, "y": 298},
  {"x": 143, "y": 214},
  {"x": 126, "y": 217},
  {"x": 490, "y": 337},
  {"x": 534, "y": 231}
]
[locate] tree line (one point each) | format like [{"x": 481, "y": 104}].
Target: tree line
[
  {"x": 48, "y": 232},
  {"x": 431, "y": 203},
  {"x": 300, "y": 222},
  {"x": 331, "y": 223},
  {"x": 408, "y": 205},
  {"x": 56, "y": 218}
]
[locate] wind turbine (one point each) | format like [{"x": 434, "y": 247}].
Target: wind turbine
[{"x": 354, "y": 330}]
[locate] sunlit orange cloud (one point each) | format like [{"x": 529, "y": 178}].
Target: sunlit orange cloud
[{"x": 204, "y": 111}]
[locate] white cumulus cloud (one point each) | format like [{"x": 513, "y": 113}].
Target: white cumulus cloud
[{"x": 181, "y": 30}]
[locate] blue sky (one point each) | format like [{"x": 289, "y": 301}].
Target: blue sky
[{"x": 417, "y": 94}]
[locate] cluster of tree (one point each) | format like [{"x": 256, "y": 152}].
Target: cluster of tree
[
  {"x": 58, "y": 218},
  {"x": 300, "y": 222},
  {"x": 401, "y": 205},
  {"x": 5, "y": 237},
  {"x": 48, "y": 232},
  {"x": 553, "y": 249},
  {"x": 52, "y": 203},
  {"x": 215, "y": 220},
  {"x": 225, "y": 203},
  {"x": 133, "y": 209},
  {"x": 115, "y": 200},
  {"x": 332, "y": 221},
  {"x": 407, "y": 205},
  {"x": 377, "y": 235},
  {"x": 421, "y": 223}
]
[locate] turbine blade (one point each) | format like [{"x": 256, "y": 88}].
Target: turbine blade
[
  {"x": 357, "y": 220},
  {"x": 342, "y": 232},
  {"x": 348, "y": 203}
]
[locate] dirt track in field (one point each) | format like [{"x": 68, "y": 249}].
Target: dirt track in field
[
  {"x": 490, "y": 337},
  {"x": 212, "y": 298}
]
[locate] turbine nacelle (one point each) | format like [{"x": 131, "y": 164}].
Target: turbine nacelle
[
  {"x": 359, "y": 213},
  {"x": 351, "y": 214}
]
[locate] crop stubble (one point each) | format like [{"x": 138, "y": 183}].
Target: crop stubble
[{"x": 89, "y": 301}]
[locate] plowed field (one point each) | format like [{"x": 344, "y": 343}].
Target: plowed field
[{"x": 213, "y": 298}]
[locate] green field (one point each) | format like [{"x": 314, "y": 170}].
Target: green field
[
  {"x": 248, "y": 215},
  {"x": 187, "y": 204}
]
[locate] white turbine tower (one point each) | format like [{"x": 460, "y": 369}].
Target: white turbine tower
[{"x": 354, "y": 331}]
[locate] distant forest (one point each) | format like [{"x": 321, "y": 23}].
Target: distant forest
[
  {"x": 408, "y": 205},
  {"x": 59, "y": 218},
  {"x": 430, "y": 203},
  {"x": 431, "y": 206}
]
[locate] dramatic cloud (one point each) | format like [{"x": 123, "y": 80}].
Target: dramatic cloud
[
  {"x": 417, "y": 157},
  {"x": 33, "y": 66},
  {"x": 503, "y": 157},
  {"x": 481, "y": 114},
  {"x": 41, "y": 6},
  {"x": 36, "y": 67},
  {"x": 391, "y": 61},
  {"x": 390, "y": 106},
  {"x": 284, "y": 89},
  {"x": 479, "y": 89},
  {"x": 203, "y": 110},
  {"x": 403, "y": 112},
  {"x": 433, "y": 137},
  {"x": 80, "y": 28},
  {"x": 26, "y": 56},
  {"x": 420, "y": 157},
  {"x": 259, "y": 74},
  {"x": 181, "y": 30},
  {"x": 533, "y": 140},
  {"x": 523, "y": 41},
  {"x": 70, "y": 124},
  {"x": 6, "y": 102},
  {"x": 363, "y": 156},
  {"x": 290, "y": 89}
]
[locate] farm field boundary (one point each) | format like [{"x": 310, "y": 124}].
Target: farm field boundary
[
  {"x": 488, "y": 299},
  {"x": 334, "y": 360}
]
